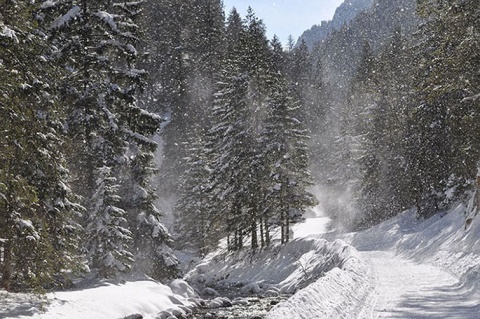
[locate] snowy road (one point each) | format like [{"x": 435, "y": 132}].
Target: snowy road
[{"x": 405, "y": 289}]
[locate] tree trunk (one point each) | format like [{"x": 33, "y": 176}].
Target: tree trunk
[
  {"x": 478, "y": 193},
  {"x": 254, "y": 233},
  {"x": 262, "y": 235},
  {"x": 236, "y": 240},
  {"x": 240, "y": 239},
  {"x": 282, "y": 222},
  {"x": 287, "y": 228},
  {"x": 7, "y": 265},
  {"x": 476, "y": 203},
  {"x": 229, "y": 247},
  {"x": 267, "y": 231},
  {"x": 7, "y": 228}
]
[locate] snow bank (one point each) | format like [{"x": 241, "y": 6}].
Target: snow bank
[
  {"x": 105, "y": 301},
  {"x": 327, "y": 277},
  {"x": 340, "y": 293},
  {"x": 441, "y": 240}
]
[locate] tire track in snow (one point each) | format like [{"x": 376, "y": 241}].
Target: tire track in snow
[{"x": 405, "y": 289}]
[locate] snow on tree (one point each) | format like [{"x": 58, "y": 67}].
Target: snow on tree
[
  {"x": 376, "y": 115},
  {"x": 241, "y": 174},
  {"x": 231, "y": 145},
  {"x": 444, "y": 152},
  {"x": 108, "y": 235},
  {"x": 188, "y": 48},
  {"x": 286, "y": 153},
  {"x": 151, "y": 239},
  {"x": 195, "y": 228},
  {"x": 38, "y": 227},
  {"x": 96, "y": 43}
]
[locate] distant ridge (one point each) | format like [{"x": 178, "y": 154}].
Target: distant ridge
[{"x": 345, "y": 13}]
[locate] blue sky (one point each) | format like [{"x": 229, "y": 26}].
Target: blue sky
[{"x": 285, "y": 17}]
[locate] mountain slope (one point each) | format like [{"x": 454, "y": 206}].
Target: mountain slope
[
  {"x": 341, "y": 51},
  {"x": 345, "y": 13}
]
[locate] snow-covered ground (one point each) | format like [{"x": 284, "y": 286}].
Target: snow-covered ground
[
  {"x": 406, "y": 289},
  {"x": 104, "y": 301},
  {"x": 423, "y": 269},
  {"x": 402, "y": 268}
]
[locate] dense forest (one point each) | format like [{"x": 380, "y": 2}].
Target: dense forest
[{"x": 108, "y": 105}]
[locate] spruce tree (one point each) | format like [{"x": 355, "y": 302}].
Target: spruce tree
[
  {"x": 39, "y": 233},
  {"x": 97, "y": 44},
  {"x": 450, "y": 87},
  {"x": 286, "y": 153},
  {"x": 151, "y": 239},
  {"x": 194, "y": 223},
  {"x": 298, "y": 71},
  {"x": 230, "y": 140},
  {"x": 88, "y": 37},
  {"x": 109, "y": 236},
  {"x": 188, "y": 43},
  {"x": 233, "y": 31},
  {"x": 241, "y": 173},
  {"x": 441, "y": 147},
  {"x": 377, "y": 93}
]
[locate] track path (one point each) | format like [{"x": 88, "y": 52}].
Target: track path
[{"x": 405, "y": 289}]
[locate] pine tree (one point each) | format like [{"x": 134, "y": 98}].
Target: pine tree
[
  {"x": 286, "y": 153},
  {"x": 427, "y": 148},
  {"x": 241, "y": 173},
  {"x": 351, "y": 170},
  {"x": 17, "y": 196},
  {"x": 86, "y": 36},
  {"x": 452, "y": 30},
  {"x": 166, "y": 90},
  {"x": 107, "y": 228},
  {"x": 97, "y": 43},
  {"x": 189, "y": 47},
  {"x": 57, "y": 204},
  {"x": 194, "y": 224},
  {"x": 230, "y": 140},
  {"x": 392, "y": 85},
  {"x": 39, "y": 233},
  {"x": 278, "y": 57},
  {"x": 299, "y": 70},
  {"x": 151, "y": 239},
  {"x": 441, "y": 148},
  {"x": 163, "y": 23},
  {"x": 377, "y": 91},
  {"x": 256, "y": 59},
  {"x": 290, "y": 43},
  {"x": 205, "y": 47}
]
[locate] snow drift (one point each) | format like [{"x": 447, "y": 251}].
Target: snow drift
[
  {"x": 325, "y": 276},
  {"x": 341, "y": 290}
]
